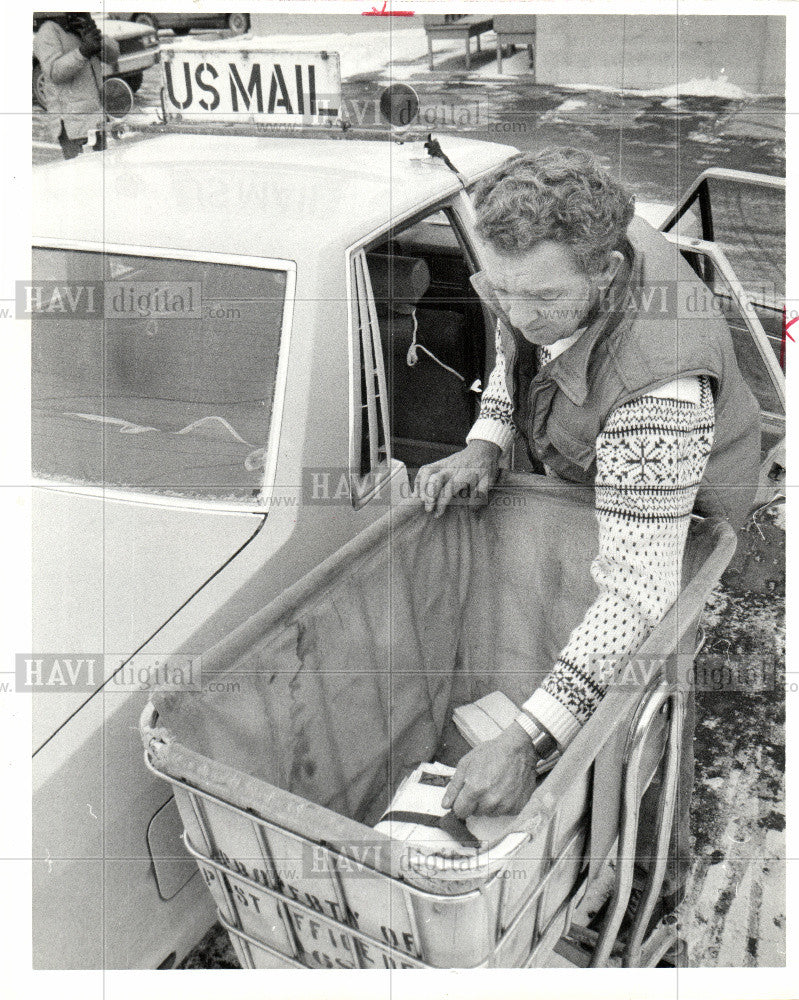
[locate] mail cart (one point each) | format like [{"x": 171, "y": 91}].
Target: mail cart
[{"x": 327, "y": 697}]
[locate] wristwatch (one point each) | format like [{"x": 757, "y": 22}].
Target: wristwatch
[{"x": 544, "y": 743}]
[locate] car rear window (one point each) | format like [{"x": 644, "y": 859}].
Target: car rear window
[{"x": 153, "y": 374}]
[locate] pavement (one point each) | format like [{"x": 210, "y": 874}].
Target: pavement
[{"x": 734, "y": 914}]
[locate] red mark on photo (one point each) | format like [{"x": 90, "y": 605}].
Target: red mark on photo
[
  {"x": 374, "y": 12},
  {"x": 786, "y": 325}
]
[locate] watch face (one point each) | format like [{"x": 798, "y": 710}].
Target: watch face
[
  {"x": 544, "y": 744},
  {"x": 545, "y": 764}
]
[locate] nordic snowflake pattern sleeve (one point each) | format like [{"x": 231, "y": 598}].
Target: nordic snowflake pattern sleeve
[
  {"x": 651, "y": 457},
  {"x": 495, "y": 422}
]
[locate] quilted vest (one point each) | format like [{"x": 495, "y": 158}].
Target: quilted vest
[{"x": 654, "y": 324}]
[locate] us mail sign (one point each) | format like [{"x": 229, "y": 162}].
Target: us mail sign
[{"x": 250, "y": 84}]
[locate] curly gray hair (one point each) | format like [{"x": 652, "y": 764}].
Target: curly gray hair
[{"x": 561, "y": 194}]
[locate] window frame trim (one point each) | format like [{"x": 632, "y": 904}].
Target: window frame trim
[
  {"x": 453, "y": 205},
  {"x": 738, "y": 294}
]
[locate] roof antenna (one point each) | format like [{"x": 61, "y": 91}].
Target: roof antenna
[{"x": 433, "y": 147}]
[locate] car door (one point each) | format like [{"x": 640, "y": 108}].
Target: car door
[
  {"x": 739, "y": 252},
  {"x": 433, "y": 338}
]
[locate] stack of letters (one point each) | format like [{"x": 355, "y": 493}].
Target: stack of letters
[{"x": 416, "y": 815}]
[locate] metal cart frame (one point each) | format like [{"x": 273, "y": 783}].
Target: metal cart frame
[{"x": 576, "y": 836}]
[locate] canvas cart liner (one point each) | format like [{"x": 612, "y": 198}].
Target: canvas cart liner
[{"x": 348, "y": 680}]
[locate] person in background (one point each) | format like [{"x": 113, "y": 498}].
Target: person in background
[
  {"x": 610, "y": 387},
  {"x": 70, "y": 49}
]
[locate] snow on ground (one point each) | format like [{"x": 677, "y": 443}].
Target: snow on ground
[
  {"x": 718, "y": 86},
  {"x": 399, "y": 55},
  {"x": 363, "y": 53},
  {"x": 572, "y": 104}
]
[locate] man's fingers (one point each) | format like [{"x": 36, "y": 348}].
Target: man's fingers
[
  {"x": 429, "y": 489},
  {"x": 444, "y": 498},
  {"x": 466, "y": 803},
  {"x": 456, "y": 783},
  {"x": 422, "y": 477},
  {"x": 438, "y": 482},
  {"x": 490, "y": 805},
  {"x": 469, "y": 484},
  {"x": 487, "y": 805},
  {"x": 481, "y": 492}
]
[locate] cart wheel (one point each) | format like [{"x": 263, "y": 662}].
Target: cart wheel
[{"x": 676, "y": 957}]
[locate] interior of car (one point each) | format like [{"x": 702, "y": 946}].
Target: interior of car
[{"x": 433, "y": 332}]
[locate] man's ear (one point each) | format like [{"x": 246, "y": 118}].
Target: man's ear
[
  {"x": 603, "y": 279},
  {"x": 615, "y": 260}
]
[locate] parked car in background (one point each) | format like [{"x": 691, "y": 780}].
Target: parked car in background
[
  {"x": 183, "y": 23},
  {"x": 138, "y": 51}
]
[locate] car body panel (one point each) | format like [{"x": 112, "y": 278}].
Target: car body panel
[
  {"x": 116, "y": 29},
  {"x": 135, "y": 562},
  {"x": 121, "y": 30},
  {"x": 98, "y": 904},
  {"x": 181, "y": 21},
  {"x": 120, "y": 568},
  {"x": 193, "y": 184},
  {"x": 133, "y": 62}
]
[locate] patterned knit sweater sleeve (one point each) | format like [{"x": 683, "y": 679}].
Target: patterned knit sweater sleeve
[
  {"x": 651, "y": 456},
  {"x": 495, "y": 422}
]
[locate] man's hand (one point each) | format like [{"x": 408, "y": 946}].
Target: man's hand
[
  {"x": 494, "y": 778},
  {"x": 109, "y": 51},
  {"x": 473, "y": 469},
  {"x": 91, "y": 42}
]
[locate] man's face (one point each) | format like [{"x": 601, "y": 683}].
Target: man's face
[{"x": 545, "y": 292}]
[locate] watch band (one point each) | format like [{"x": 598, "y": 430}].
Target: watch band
[{"x": 544, "y": 743}]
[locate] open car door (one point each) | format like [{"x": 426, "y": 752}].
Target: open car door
[{"x": 730, "y": 226}]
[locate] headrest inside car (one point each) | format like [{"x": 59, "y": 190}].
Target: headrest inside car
[{"x": 397, "y": 282}]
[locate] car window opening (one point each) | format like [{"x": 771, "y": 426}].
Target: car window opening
[{"x": 433, "y": 335}]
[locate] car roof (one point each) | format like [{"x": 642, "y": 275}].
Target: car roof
[{"x": 254, "y": 195}]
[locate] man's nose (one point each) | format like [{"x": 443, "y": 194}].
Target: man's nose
[{"x": 523, "y": 312}]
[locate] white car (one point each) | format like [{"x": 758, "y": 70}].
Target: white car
[
  {"x": 171, "y": 452},
  {"x": 167, "y": 463}
]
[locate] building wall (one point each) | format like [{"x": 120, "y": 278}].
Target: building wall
[{"x": 654, "y": 51}]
